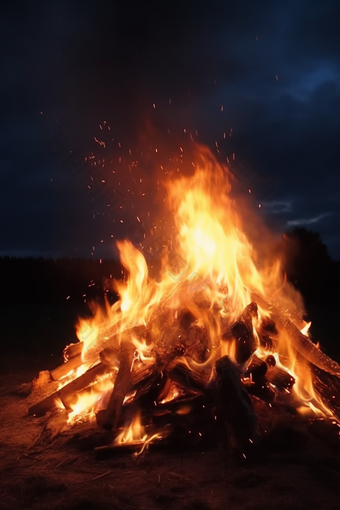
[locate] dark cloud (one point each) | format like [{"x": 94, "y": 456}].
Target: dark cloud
[{"x": 274, "y": 66}]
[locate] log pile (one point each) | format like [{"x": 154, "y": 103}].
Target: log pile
[{"x": 183, "y": 386}]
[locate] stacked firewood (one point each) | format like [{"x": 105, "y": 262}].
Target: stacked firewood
[{"x": 182, "y": 374}]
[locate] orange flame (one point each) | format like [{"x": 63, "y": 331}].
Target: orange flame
[
  {"x": 135, "y": 434},
  {"x": 214, "y": 266}
]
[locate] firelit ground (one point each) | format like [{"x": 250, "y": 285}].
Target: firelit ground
[{"x": 299, "y": 467}]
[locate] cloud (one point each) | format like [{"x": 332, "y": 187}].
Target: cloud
[
  {"x": 309, "y": 221},
  {"x": 277, "y": 206}
]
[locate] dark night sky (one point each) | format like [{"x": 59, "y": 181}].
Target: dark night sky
[{"x": 274, "y": 66}]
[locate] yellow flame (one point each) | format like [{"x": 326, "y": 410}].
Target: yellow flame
[
  {"x": 221, "y": 255},
  {"x": 88, "y": 402},
  {"x": 135, "y": 434}
]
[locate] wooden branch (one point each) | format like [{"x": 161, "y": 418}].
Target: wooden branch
[{"x": 108, "y": 419}]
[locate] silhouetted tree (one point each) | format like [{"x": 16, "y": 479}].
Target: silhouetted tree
[{"x": 309, "y": 266}]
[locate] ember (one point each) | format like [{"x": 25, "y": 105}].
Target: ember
[{"x": 196, "y": 349}]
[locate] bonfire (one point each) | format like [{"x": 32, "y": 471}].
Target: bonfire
[{"x": 208, "y": 347}]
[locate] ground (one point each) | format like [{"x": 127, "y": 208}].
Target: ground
[{"x": 297, "y": 469}]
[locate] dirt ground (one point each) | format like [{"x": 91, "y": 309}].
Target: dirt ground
[{"x": 297, "y": 470}]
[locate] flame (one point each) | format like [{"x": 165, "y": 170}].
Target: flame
[
  {"x": 88, "y": 402},
  {"x": 87, "y": 332},
  {"x": 211, "y": 269},
  {"x": 305, "y": 329},
  {"x": 173, "y": 393},
  {"x": 135, "y": 434}
]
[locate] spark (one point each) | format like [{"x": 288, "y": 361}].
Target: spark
[{"x": 100, "y": 142}]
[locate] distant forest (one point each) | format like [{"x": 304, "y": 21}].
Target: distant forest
[{"x": 39, "y": 280}]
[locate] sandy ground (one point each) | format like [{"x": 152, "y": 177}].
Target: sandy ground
[{"x": 299, "y": 469}]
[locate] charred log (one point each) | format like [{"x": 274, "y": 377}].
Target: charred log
[
  {"x": 270, "y": 360},
  {"x": 257, "y": 369},
  {"x": 242, "y": 333},
  {"x": 260, "y": 390},
  {"x": 180, "y": 373},
  {"x": 266, "y": 341},
  {"x": 235, "y": 405},
  {"x": 280, "y": 378}
]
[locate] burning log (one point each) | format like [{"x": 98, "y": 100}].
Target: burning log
[
  {"x": 270, "y": 360},
  {"x": 108, "y": 356},
  {"x": 180, "y": 373},
  {"x": 255, "y": 382},
  {"x": 260, "y": 390},
  {"x": 68, "y": 390},
  {"x": 301, "y": 343},
  {"x": 100, "y": 349},
  {"x": 108, "y": 419},
  {"x": 280, "y": 378},
  {"x": 267, "y": 332},
  {"x": 257, "y": 369},
  {"x": 143, "y": 374},
  {"x": 306, "y": 347},
  {"x": 328, "y": 387},
  {"x": 235, "y": 405},
  {"x": 73, "y": 350},
  {"x": 242, "y": 332},
  {"x": 66, "y": 368}
]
